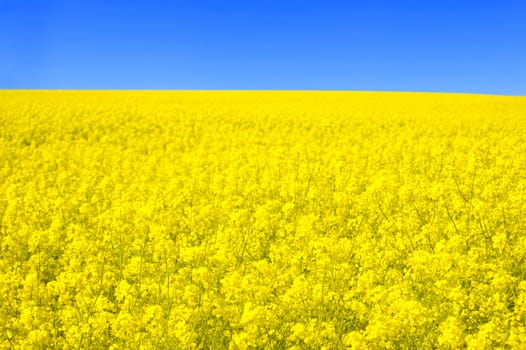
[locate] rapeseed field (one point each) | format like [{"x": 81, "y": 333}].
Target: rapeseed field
[{"x": 262, "y": 220}]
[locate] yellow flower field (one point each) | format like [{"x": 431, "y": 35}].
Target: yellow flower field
[{"x": 262, "y": 220}]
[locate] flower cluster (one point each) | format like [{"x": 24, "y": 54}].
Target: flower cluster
[{"x": 252, "y": 220}]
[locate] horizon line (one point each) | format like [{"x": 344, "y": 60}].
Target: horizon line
[{"x": 262, "y": 90}]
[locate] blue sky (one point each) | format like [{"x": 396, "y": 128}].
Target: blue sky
[{"x": 450, "y": 46}]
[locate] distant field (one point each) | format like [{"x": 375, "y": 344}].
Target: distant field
[{"x": 262, "y": 220}]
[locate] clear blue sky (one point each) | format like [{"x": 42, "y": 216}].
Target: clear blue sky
[{"x": 451, "y": 46}]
